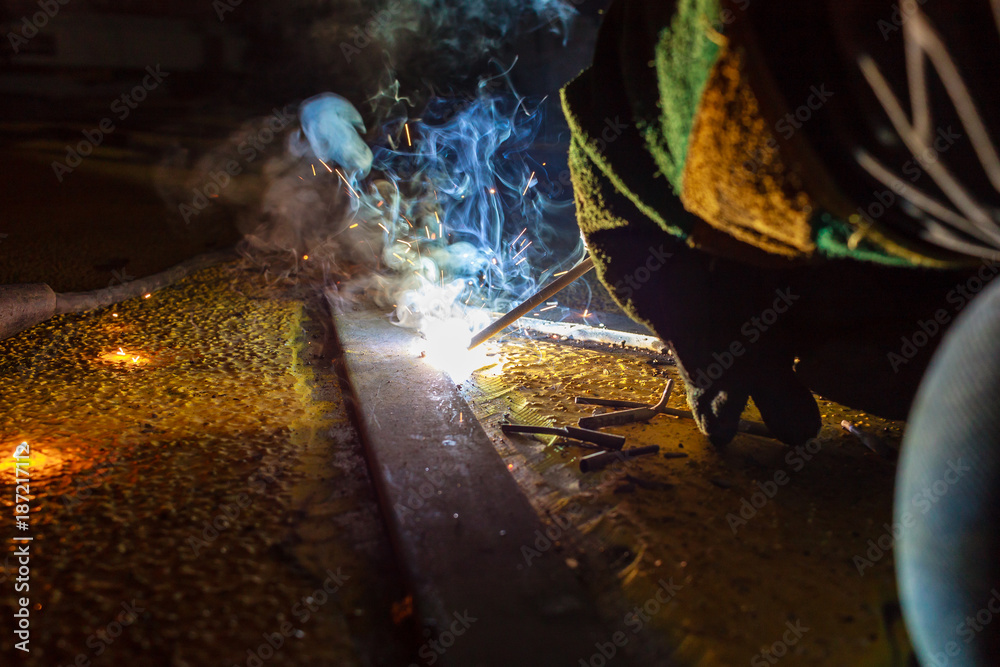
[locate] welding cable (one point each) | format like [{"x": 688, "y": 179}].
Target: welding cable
[
  {"x": 947, "y": 504},
  {"x": 24, "y": 306}
]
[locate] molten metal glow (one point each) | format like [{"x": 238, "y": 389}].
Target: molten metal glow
[{"x": 445, "y": 346}]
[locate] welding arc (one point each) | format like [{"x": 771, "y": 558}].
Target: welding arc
[
  {"x": 24, "y": 306},
  {"x": 531, "y": 302}
]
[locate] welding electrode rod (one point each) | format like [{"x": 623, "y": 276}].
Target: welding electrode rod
[
  {"x": 870, "y": 440},
  {"x": 601, "y": 460},
  {"x": 605, "y": 440},
  {"x": 746, "y": 426},
  {"x": 535, "y": 299}
]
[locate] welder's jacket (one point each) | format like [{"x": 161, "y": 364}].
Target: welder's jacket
[
  {"x": 724, "y": 150},
  {"x": 733, "y": 124}
]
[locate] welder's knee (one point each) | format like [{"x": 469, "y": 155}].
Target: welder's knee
[{"x": 947, "y": 504}]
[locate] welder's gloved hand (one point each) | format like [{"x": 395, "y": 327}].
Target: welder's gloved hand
[
  {"x": 732, "y": 241},
  {"x": 704, "y": 306},
  {"x": 332, "y": 129},
  {"x": 737, "y": 329}
]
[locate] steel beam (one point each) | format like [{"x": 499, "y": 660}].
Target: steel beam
[{"x": 458, "y": 518}]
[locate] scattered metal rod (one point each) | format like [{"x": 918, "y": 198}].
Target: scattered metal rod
[
  {"x": 745, "y": 426},
  {"x": 871, "y": 441},
  {"x": 535, "y": 299},
  {"x": 609, "y": 402},
  {"x": 605, "y": 440},
  {"x": 586, "y": 333},
  {"x": 600, "y": 460},
  {"x": 642, "y": 414}
]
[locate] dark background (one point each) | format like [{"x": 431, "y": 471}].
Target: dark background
[{"x": 227, "y": 64}]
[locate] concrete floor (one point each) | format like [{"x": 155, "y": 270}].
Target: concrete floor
[
  {"x": 196, "y": 462},
  {"x": 220, "y": 396},
  {"x": 194, "y": 453}
]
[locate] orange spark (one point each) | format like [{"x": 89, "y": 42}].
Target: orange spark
[
  {"x": 345, "y": 181},
  {"x": 528, "y": 185}
]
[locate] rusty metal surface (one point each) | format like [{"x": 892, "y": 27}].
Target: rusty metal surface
[{"x": 459, "y": 518}]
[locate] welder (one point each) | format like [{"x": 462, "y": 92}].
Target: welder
[{"x": 804, "y": 197}]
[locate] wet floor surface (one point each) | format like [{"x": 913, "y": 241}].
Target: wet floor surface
[
  {"x": 757, "y": 543},
  {"x": 198, "y": 495},
  {"x": 196, "y": 477}
]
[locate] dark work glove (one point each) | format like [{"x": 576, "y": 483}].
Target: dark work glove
[{"x": 737, "y": 329}]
